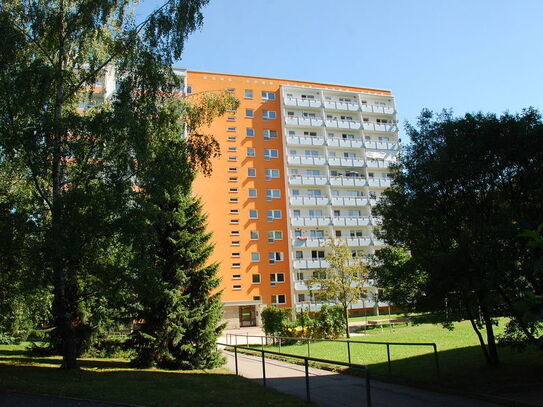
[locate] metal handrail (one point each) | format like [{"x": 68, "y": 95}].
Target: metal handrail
[
  {"x": 306, "y": 360},
  {"x": 348, "y": 342}
]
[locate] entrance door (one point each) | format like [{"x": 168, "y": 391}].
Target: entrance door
[{"x": 247, "y": 316}]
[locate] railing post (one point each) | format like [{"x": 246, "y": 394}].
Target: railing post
[
  {"x": 247, "y": 340},
  {"x": 279, "y": 344},
  {"x": 307, "y": 380},
  {"x": 262, "y": 337},
  {"x": 308, "y": 342},
  {"x": 437, "y": 361},
  {"x": 264, "y": 368},
  {"x": 368, "y": 390},
  {"x": 349, "y": 350},
  {"x": 388, "y": 357},
  {"x": 236, "y": 339},
  {"x": 236, "y": 358}
]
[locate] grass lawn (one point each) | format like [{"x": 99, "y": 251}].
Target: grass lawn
[
  {"x": 114, "y": 380},
  {"x": 382, "y": 317},
  {"x": 460, "y": 357}
]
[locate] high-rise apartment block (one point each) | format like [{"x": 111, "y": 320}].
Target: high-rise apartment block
[{"x": 301, "y": 163}]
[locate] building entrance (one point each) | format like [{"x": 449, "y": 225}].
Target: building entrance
[{"x": 247, "y": 316}]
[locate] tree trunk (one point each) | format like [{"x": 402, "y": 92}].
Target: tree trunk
[
  {"x": 493, "y": 358},
  {"x": 478, "y": 333},
  {"x": 346, "y": 315},
  {"x": 61, "y": 311}
]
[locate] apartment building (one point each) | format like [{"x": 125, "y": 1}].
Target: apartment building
[{"x": 301, "y": 163}]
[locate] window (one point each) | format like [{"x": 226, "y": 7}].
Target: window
[
  {"x": 311, "y": 153},
  {"x": 249, "y": 132},
  {"x": 277, "y": 278},
  {"x": 274, "y": 235},
  {"x": 231, "y": 138},
  {"x": 275, "y": 256},
  {"x": 232, "y": 158},
  {"x": 256, "y": 298},
  {"x": 314, "y": 173},
  {"x": 256, "y": 278},
  {"x": 291, "y": 132},
  {"x": 254, "y": 234},
  {"x": 232, "y": 149},
  {"x": 338, "y": 233},
  {"x": 308, "y": 96},
  {"x": 253, "y": 214},
  {"x": 233, "y": 190},
  {"x": 310, "y": 133},
  {"x": 268, "y": 114},
  {"x": 271, "y": 173},
  {"x": 272, "y": 194},
  {"x": 249, "y": 113},
  {"x": 337, "y": 212},
  {"x": 236, "y": 254},
  {"x": 236, "y": 287},
  {"x": 251, "y": 172},
  {"x": 235, "y": 243},
  {"x": 278, "y": 299},
  {"x": 248, "y": 94},
  {"x": 299, "y": 256},
  {"x": 301, "y": 297},
  {"x": 314, "y": 192},
  {"x": 268, "y": 134},
  {"x": 189, "y": 89},
  {"x": 316, "y": 234},
  {"x": 270, "y": 153},
  {"x": 250, "y": 152},
  {"x": 274, "y": 214},
  {"x": 234, "y": 221},
  {"x": 236, "y": 276},
  {"x": 234, "y": 200},
  {"x": 252, "y": 193},
  {"x": 317, "y": 254},
  {"x": 315, "y": 212},
  {"x": 297, "y": 233},
  {"x": 355, "y": 233},
  {"x": 231, "y": 129},
  {"x": 300, "y": 276},
  {"x": 296, "y": 213},
  {"x": 268, "y": 96},
  {"x": 355, "y": 213},
  {"x": 236, "y": 265},
  {"x": 233, "y": 169},
  {"x": 231, "y": 118},
  {"x": 234, "y": 211},
  {"x": 255, "y": 256},
  {"x": 234, "y": 233},
  {"x": 230, "y": 90}
]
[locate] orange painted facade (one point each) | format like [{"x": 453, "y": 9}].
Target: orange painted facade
[{"x": 230, "y": 181}]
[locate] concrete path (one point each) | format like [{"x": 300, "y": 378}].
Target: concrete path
[
  {"x": 330, "y": 389},
  {"x": 30, "y": 400}
]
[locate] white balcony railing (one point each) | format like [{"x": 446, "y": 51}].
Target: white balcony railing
[
  {"x": 304, "y": 121},
  {"x": 309, "y": 201},
  {"x": 311, "y": 221},
  {"x": 379, "y": 182},
  {"x": 345, "y": 162},
  {"x": 305, "y": 160},
  {"x": 302, "y": 102},
  {"x": 345, "y": 142},
  {"x": 307, "y": 180},
  {"x": 382, "y": 145},
  {"x": 348, "y": 181},
  {"x": 377, "y": 109},
  {"x": 310, "y": 264},
  {"x": 358, "y": 241},
  {"x": 351, "y": 107},
  {"x": 343, "y": 124},
  {"x": 379, "y": 164},
  {"x": 306, "y": 141},
  {"x": 351, "y": 221},
  {"x": 304, "y": 241},
  {"x": 388, "y": 128},
  {"x": 349, "y": 201}
]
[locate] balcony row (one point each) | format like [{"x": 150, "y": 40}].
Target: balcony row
[
  {"x": 337, "y": 162},
  {"x": 335, "y": 201},
  {"x": 340, "y": 124},
  {"x": 334, "y": 221},
  {"x": 341, "y": 142},
  {"x": 333, "y": 105},
  {"x": 303, "y": 242},
  {"x": 321, "y": 264},
  {"x": 340, "y": 181}
]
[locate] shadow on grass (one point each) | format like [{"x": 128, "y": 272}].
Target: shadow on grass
[{"x": 465, "y": 369}]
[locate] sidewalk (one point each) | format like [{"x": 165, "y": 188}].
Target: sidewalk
[{"x": 330, "y": 389}]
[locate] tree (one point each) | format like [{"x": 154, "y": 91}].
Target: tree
[
  {"x": 81, "y": 166},
  {"x": 343, "y": 281},
  {"x": 462, "y": 194}
]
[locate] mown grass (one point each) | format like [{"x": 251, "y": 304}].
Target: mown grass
[
  {"x": 114, "y": 380},
  {"x": 461, "y": 360}
]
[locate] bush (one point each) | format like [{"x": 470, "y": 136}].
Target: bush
[
  {"x": 329, "y": 322},
  {"x": 276, "y": 321}
]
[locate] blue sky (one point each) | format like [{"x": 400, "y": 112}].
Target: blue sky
[{"x": 468, "y": 55}]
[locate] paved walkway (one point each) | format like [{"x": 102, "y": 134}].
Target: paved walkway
[
  {"x": 330, "y": 389},
  {"x": 30, "y": 400}
]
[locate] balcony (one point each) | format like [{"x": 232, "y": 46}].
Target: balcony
[
  {"x": 350, "y": 107},
  {"x": 358, "y": 241},
  {"x": 310, "y": 264},
  {"x": 303, "y": 180},
  {"x": 343, "y": 124},
  {"x": 348, "y": 181},
  {"x": 379, "y": 164},
  {"x": 345, "y": 162},
  {"x": 304, "y": 121},
  {"x": 306, "y": 141},
  {"x": 378, "y": 242},
  {"x": 346, "y": 143},
  {"x": 309, "y": 242},
  {"x": 351, "y": 221},
  {"x": 311, "y": 221},
  {"x": 387, "y": 128},
  {"x": 298, "y": 102},
  {"x": 378, "y": 109},
  {"x": 382, "y": 145},
  {"x": 305, "y": 160},
  {"x": 349, "y": 201},
  {"x": 309, "y": 201},
  {"x": 379, "y": 182}
]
